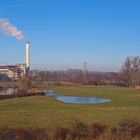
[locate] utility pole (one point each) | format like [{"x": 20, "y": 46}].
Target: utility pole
[{"x": 85, "y": 74}]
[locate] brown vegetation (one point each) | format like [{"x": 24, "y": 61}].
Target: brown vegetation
[
  {"x": 126, "y": 130},
  {"x": 131, "y": 71},
  {"x": 21, "y": 94},
  {"x": 129, "y": 76},
  {"x": 24, "y": 84}
]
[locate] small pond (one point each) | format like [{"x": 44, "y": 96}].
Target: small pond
[{"x": 76, "y": 99}]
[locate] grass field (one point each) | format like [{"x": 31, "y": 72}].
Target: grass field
[{"x": 44, "y": 111}]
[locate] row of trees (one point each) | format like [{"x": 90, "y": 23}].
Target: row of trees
[
  {"x": 77, "y": 77},
  {"x": 128, "y": 76}
]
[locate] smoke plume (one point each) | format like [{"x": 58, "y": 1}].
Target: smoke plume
[{"x": 9, "y": 29}]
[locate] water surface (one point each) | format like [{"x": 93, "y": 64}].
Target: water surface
[{"x": 76, "y": 99}]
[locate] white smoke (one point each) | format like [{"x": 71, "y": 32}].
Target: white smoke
[{"x": 7, "y": 28}]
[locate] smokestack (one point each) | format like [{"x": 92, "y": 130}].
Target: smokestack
[{"x": 27, "y": 56}]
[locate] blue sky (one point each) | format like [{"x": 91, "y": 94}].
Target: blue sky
[{"x": 66, "y": 33}]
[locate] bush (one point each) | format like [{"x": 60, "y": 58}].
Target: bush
[
  {"x": 24, "y": 84},
  {"x": 60, "y": 133},
  {"x": 130, "y": 127},
  {"x": 8, "y": 135},
  {"x": 96, "y": 130},
  {"x": 29, "y": 133},
  {"x": 79, "y": 129}
]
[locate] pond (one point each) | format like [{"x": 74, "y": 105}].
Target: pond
[{"x": 75, "y": 99}]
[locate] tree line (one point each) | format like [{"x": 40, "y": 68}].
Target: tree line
[{"x": 128, "y": 76}]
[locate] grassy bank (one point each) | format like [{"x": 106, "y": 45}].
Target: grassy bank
[{"x": 45, "y": 112}]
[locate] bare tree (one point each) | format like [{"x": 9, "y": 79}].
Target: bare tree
[
  {"x": 136, "y": 70},
  {"x": 131, "y": 71}
]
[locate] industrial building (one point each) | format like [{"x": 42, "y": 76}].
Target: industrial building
[{"x": 18, "y": 70}]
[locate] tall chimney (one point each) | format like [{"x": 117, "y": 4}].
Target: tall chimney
[{"x": 27, "y": 56}]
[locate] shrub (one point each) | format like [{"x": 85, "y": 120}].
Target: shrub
[
  {"x": 96, "y": 130},
  {"x": 31, "y": 134},
  {"x": 129, "y": 127},
  {"x": 79, "y": 129},
  {"x": 60, "y": 133},
  {"x": 8, "y": 135},
  {"x": 24, "y": 84}
]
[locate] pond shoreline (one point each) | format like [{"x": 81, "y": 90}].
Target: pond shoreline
[{"x": 23, "y": 94}]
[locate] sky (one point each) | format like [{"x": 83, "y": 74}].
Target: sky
[{"x": 66, "y": 33}]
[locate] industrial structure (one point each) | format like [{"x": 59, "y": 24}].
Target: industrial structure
[
  {"x": 18, "y": 70},
  {"x": 27, "y": 56}
]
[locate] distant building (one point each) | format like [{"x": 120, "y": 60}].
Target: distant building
[
  {"x": 19, "y": 70},
  {"x": 13, "y": 72}
]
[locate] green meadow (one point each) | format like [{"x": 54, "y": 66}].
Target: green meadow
[{"x": 43, "y": 111}]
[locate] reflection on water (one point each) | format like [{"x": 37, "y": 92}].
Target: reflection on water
[
  {"x": 8, "y": 91},
  {"x": 76, "y": 99},
  {"x": 51, "y": 93}
]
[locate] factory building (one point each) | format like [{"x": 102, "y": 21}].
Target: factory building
[{"x": 19, "y": 70}]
